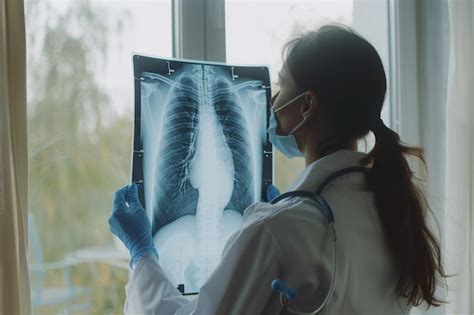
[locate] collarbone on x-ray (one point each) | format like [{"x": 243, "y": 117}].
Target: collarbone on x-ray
[{"x": 203, "y": 137}]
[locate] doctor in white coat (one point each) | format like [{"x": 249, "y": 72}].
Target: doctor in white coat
[{"x": 332, "y": 87}]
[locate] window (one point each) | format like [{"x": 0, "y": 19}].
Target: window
[
  {"x": 80, "y": 105},
  {"x": 256, "y": 31}
]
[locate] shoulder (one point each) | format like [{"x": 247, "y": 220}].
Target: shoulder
[
  {"x": 254, "y": 238},
  {"x": 261, "y": 211},
  {"x": 286, "y": 211},
  {"x": 263, "y": 221},
  {"x": 256, "y": 218},
  {"x": 287, "y": 222}
]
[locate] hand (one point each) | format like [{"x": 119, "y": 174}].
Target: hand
[
  {"x": 131, "y": 224},
  {"x": 271, "y": 192}
]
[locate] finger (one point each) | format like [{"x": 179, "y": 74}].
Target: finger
[
  {"x": 132, "y": 196},
  {"x": 275, "y": 188},
  {"x": 272, "y": 192},
  {"x": 272, "y": 188},
  {"x": 119, "y": 199},
  {"x": 111, "y": 222}
]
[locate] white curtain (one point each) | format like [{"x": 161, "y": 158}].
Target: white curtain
[
  {"x": 14, "y": 280},
  {"x": 459, "y": 170},
  {"x": 446, "y": 113}
]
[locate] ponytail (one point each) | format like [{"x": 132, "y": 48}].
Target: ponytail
[{"x": 402, "y": 209}]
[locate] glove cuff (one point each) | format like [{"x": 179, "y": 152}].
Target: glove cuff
[{"x": 142, "y": 252}]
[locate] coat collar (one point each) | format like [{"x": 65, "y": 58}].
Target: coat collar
[{"x": 317, "y": 171}]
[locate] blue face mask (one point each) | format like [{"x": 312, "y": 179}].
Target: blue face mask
[{"x": 285, "y": 144}]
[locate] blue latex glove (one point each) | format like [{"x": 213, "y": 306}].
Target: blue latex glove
[
  {"x": 272, "y": 192},
  {"x": 131, "y": 224}
]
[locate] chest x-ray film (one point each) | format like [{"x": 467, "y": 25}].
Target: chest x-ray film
[{"x": 201, "y": 156}]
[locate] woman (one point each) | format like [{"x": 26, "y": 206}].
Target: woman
[{"x": 332, "y": 87}]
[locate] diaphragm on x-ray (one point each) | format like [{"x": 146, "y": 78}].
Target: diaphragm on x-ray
[{"x": 201, "y": 157}]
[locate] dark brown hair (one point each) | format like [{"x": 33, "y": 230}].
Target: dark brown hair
[{"x": 347, "y": 74}]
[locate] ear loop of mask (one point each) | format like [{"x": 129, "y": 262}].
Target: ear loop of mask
[{"x": 286, "y": 105}]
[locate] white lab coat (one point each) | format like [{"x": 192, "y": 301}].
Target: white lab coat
[{"x": 278, "y": 241}]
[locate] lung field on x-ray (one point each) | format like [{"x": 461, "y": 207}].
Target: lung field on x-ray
[
  {"x": 174, "y": 195},
  {"x": 236, "y": 133},
  {"x": 202, "y": 135}
]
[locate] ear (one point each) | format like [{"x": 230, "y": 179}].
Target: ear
[{"x": 310, "y": 106}]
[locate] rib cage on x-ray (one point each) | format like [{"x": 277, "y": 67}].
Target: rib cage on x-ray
[
  {"x": 199, "y": 149},
  {"x": 175, "y": 197}
]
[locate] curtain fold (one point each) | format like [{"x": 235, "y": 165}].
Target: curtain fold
[
  {"x": 14, "y": 278},
  {"x": 445, "y": 98},
  {"x": 458, "y": 210}
]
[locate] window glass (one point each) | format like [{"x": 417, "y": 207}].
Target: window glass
[
  {"x": 257, "y": 30},
  {"x": 80, "y": 105}
]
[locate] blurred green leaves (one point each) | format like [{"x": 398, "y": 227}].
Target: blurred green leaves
[{"x": 78, "y": 155}]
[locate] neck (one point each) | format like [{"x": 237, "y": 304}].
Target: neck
[{"x": 312, "y": 150}]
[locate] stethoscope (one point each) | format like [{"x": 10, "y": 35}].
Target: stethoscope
[{"x": 287, "y": 293}]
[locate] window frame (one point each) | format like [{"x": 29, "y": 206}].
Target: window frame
[
  {"x": 198, "y": 28},
  {"x": 405, "y": 111}
]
